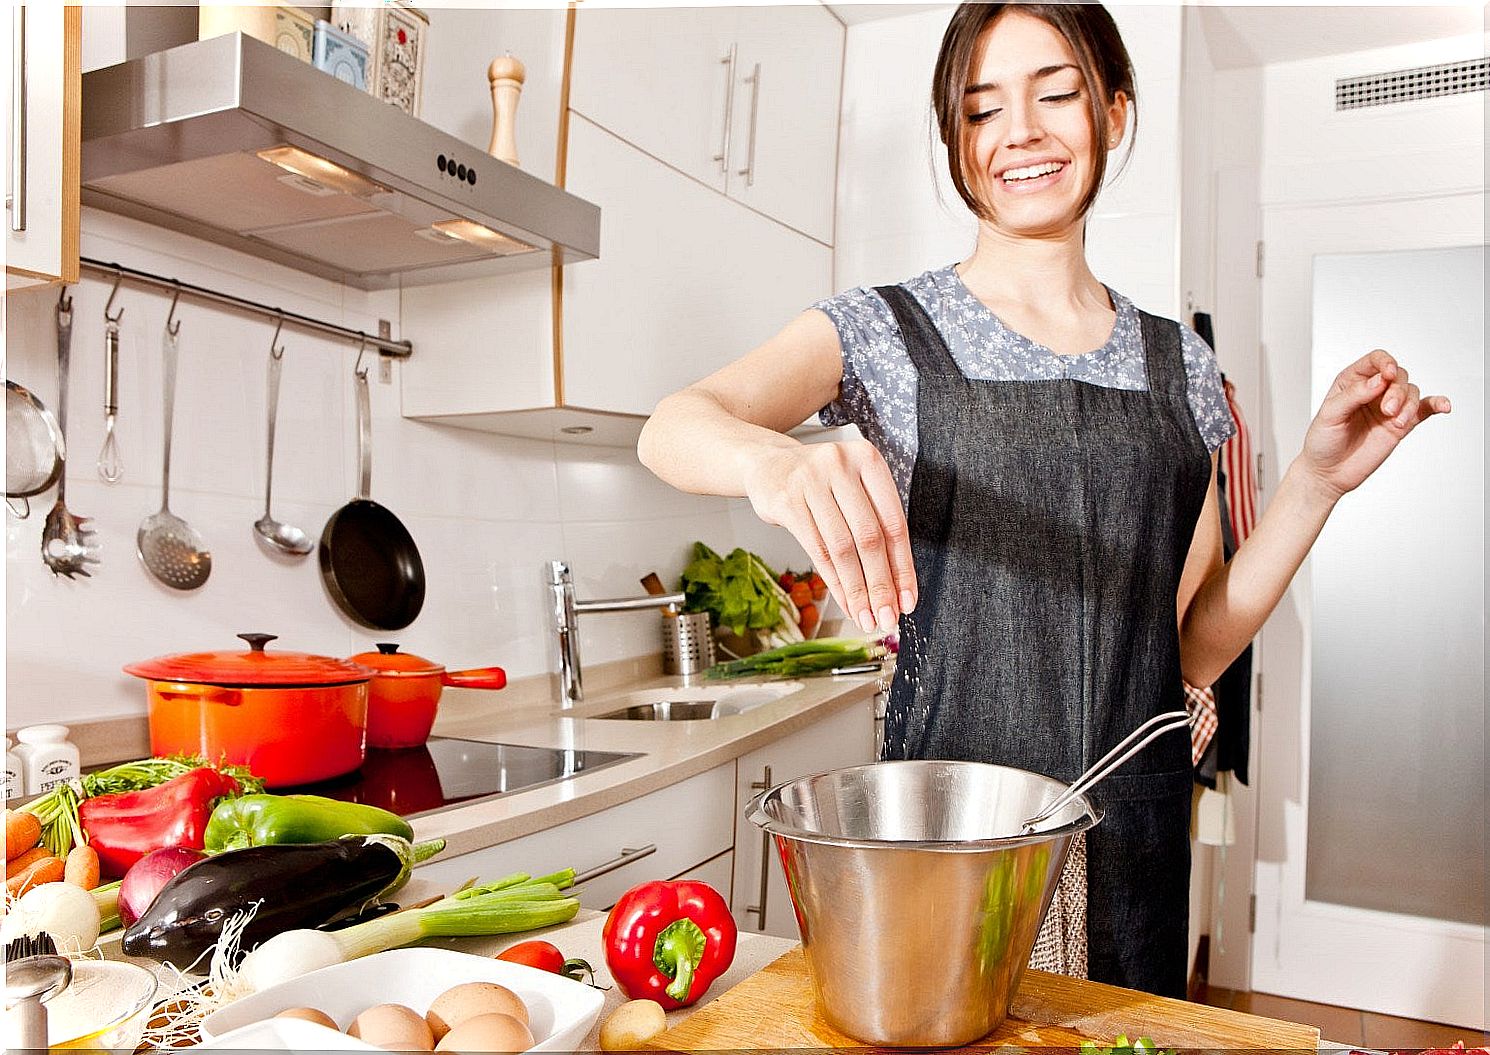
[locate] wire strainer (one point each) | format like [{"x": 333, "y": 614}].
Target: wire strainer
[{"x": 34, "y": 451}]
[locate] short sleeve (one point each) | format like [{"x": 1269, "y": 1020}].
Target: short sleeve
[
  {"x": 1205, "y": 391},
  {"x": 855, "y": 314}
]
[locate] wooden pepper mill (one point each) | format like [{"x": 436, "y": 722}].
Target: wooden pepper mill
[{"x": 506, "y": 75}]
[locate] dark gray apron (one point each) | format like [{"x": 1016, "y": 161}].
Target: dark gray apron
[{"x": 1050, "y": 521}]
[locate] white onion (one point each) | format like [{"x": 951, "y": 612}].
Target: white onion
[
  {"x": 289, "y": 955},
  {"x": 65, "y": 911}
]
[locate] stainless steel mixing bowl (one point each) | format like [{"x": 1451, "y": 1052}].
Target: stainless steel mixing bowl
[{"x": 917, "y": 899}]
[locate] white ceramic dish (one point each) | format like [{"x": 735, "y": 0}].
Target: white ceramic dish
[
  {"x": 562, "y": 1011},
  {"x": 285, "y": 1034}
]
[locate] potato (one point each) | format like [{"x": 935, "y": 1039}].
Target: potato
[{"x": 631, "y": 1025}]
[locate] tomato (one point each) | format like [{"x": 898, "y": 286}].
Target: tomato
[
  {"x": 801, "y": 593},
  {"x": 540, "y": 954},
  {"x": 786, "y": 580},
  {"x": 546, "y": 957},
  {"x": 819, "y": 588}
]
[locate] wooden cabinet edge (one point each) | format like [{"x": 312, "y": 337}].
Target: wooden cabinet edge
[{"x": 72, "y": 127}]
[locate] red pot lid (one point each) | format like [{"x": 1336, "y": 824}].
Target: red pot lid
[
  {"x": 254, "y": 667},
  {"x": 389, "y": 660}
]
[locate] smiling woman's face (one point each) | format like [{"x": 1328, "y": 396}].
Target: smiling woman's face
[{"x": 1031, "y": 145}]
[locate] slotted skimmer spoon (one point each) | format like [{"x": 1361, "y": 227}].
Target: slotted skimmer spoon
[
  {"x": 286, "y": 538},
  {"x": 169, "y": 547},
  {"x": 1105, "y": 766}
]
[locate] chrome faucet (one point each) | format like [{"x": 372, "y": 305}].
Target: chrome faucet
[{"x": 566, "y": 611}]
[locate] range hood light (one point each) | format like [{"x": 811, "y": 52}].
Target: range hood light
[
  {"x": 476, "y": 234},
  {"x": 318, "y": 170}
]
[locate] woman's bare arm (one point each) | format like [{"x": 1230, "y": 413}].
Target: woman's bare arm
[{"x": 724, "y": 435}]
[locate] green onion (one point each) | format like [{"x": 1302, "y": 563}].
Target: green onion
[{"x": 802, "y": 657}]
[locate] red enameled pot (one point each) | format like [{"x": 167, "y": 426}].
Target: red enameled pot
[
  {"x": 290, "y": 717},
  {"x": 405, "y": 693}
]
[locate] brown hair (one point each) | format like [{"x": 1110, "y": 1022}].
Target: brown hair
[{"x": 1100, "y": 54}]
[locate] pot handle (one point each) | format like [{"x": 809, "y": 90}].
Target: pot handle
[
  {"x": 479, "y": 678},
  {"x": 174, "y": 691}
]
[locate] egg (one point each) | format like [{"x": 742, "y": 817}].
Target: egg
[
  {"x": 394, "y": 1027},
  {"x": 308, "y": 1014},
  {"x": 491, "y": 1032},
  {"x": 454, "y": 1006}
]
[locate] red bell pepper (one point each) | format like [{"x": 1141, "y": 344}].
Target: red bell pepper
[
  {"x": 668, "y": 941},
  {"x": 124, "y": 826}
]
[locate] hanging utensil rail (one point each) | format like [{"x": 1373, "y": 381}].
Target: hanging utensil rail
[{"x": 383, "y": 345}]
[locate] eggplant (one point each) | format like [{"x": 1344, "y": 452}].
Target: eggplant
[{"x": 294, "y": 885}]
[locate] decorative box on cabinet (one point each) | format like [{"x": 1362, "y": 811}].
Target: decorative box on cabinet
[{"x": 42, "y": 167}]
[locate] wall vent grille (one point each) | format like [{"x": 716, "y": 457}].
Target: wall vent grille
[{"x": 1400, "y": 86}]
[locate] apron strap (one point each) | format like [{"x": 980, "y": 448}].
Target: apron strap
[
  {"x": 923, "y": 341},
  {"x": 1164, "y": 359}
]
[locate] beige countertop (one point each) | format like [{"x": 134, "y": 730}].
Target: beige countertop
[{"x": 668, "y": 751}]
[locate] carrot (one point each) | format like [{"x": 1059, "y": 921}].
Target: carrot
[
  {"x": 82, "y": 867},
  {"x": 22, "y": 831},
  {"x": 26, "y": 860},
  {"x": 50, "y": 870}
]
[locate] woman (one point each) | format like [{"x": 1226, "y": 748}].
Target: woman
[{"x": 1039, "y": 516}]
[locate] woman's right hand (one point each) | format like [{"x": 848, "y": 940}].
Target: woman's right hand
[{"x": 840, "y": 503}]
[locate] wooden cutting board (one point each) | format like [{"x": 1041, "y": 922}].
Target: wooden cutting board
[{"x": 775, "y": 1009}]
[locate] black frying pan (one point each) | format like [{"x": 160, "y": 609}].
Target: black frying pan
[{"x": 369, "y": 562}]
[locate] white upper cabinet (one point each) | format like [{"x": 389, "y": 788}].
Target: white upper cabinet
[
  {"x": 659, "y": 78},
  {"x": 44, "y": 89},
  {"x": 784, "y": 134},
  {"x": 743, "y": 99},
  {"x": 687, "y": 279}
]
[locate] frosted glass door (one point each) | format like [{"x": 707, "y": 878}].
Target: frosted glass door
[{"x": 1397, "y": 741}]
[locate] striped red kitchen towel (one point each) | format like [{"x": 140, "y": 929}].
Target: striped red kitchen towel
[{"x": 1201, "y": 703}]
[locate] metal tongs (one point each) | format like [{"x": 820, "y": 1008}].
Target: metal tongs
[{"x": 1105, "y": 766}]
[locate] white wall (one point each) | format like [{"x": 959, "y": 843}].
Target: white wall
[{"x": 486, "y": 511}]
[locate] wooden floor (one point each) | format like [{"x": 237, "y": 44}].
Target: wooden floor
[{"x": 1343, "y": 1025}]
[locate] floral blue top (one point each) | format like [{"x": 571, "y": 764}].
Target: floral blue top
[{"x": 878, "y": 392}]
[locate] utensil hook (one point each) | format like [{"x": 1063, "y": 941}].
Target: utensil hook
[
  {"x": 173, "y": 324},
  {"x": 64, "y": 302},
  {"x": 275, "y": 348},
  {"x": 116, "y": 316},
  {"x": 357, "y": 367}
]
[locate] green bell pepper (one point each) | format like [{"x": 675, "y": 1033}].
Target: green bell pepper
[{"x": 259, "y": 820}]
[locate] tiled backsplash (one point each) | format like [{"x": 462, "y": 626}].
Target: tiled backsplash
[{"x": 486, "y": 511}]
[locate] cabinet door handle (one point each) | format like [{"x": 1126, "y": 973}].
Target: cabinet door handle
[
  {"x": 759, "y": 910},
  {"x": 729, "y": 107},
  {"x": 628, "y": 854},
  {"x": 755, "y": 103},
  {"x": 16, "y": 199}
]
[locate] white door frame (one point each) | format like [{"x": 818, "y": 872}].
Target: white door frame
[{"x": 1381, "y": 961}]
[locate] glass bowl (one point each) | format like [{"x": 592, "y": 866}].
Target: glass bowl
[{"x": 106, "y": 1008}]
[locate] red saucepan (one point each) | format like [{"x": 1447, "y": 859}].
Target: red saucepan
[
  {"x": 291, "y": 718},
  {"x": 405, "y": 693}
]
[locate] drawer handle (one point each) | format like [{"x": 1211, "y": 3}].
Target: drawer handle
[
  {"x": 628, "y": 854},
  {"x": 759, "y": 910},
  {"x": 755, "y": 102}
]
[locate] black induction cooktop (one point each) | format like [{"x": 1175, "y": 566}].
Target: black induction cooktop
[{"x": 446, "y": 772}]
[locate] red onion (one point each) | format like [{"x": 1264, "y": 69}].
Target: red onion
[{"x": 146, "y": 877}]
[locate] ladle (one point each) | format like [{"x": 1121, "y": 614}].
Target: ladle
[
  {"x": 1105, "y": 766},
  {"x": 286, "y": 538}
]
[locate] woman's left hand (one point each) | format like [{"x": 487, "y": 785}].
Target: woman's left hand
[{"x": 1369, "y": 409}]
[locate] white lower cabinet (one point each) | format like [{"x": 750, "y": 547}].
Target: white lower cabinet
[
  {"x": 719, "y": 873},
  {"x": 761, "y": 902},
  {"x": 690, "y": 823}
]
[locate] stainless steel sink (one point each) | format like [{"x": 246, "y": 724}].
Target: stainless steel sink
[
  {"x": 665, "y": 711},
  {"x": 696, "y": 703}
]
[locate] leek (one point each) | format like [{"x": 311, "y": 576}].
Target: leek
[{"x": 801, "y": 657}]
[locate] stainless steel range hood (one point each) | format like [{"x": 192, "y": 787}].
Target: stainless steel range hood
[{"x": 231, "y": 140}]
